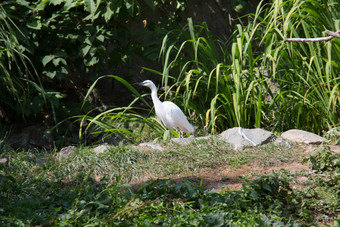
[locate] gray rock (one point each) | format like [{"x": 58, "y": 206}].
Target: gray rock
[
  {"x": 183, "y": 141},
  {"x": 66, "y": 152},
  {"x": 282, "y": 142},
  {"x": 239, "y": 137},
  {"x": 101, "y": 149},
  {"x": 151, "y": 145},
  {"x": 300, "y": 136}
]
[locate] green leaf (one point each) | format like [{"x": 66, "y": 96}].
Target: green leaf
[
  {"x": 266, "y": 187},
  {"x": 101, "y": 38},
  {"x": 85, "y": 50},
  {"x": 63, "y": 61},
  {"x": 90, "y": 6},
  {"x": 63, "y": 70},
  {"x": 94, "y": 60},
  {"x": 254, "y": 195},
  {"x": 56, "y": 61},
  {"x": 108, "y": 12},
  {"x": 22, "y": 2},
  {"x": 59, "y": 95},
  {"x": 69, "y": 4},
  {"x": 56, "y": 2},
  {"x": 46, "y": 59},
  {"x": 50, "y": 74},
  {"x": 130, "y": 6},
  {"x": 238, "y": 5},
  {"x": 35, "y": 24},
  {"x": 112, "y": 8}
]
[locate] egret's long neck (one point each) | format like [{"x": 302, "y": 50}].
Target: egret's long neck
[{"x": 154, "y": 96}]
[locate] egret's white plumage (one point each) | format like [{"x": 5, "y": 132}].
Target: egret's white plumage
[{"x": 168, "y": 112}]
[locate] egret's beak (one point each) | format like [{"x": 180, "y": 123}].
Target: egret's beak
[{"x": 138, "y": 83}]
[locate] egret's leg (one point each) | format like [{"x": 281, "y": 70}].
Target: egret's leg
[
  {"x": 180, "y": 133},
  {"x": 169, "y": 134}
]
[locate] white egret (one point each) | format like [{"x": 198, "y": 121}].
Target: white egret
[{"x": 168, "y": 112}]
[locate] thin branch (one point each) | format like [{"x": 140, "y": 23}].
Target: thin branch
[
  {"x": 334, "y": 34},
  {"x": 318, "y": 39},
  {"x": 303, "y": 40}
]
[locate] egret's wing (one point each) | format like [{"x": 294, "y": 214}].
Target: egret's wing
[{"x": 175, "y": 118}]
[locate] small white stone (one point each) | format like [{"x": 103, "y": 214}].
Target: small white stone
[{"x": 101, "y": 149}]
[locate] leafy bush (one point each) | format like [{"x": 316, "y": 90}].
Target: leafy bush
[
  {"x": 322, "y": 194},
  {"x": 167, "y": 202},
  {"x": 324, "y": 161},
  {"x": 57, "y": 47}
]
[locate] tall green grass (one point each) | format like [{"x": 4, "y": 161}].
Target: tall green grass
[
  {"x": 221, "y": 84},
  {"x": 256, "y": 79},
  {"x": 21, "y": 89},
  {"x": 309, "y": 92},
  {"x": 15, "y": 68}
]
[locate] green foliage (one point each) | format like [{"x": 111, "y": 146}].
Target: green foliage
[
  {"x": 90, "y": 189},
  {"x": 323, "y": 191},
  {"x": 61, "y": 45}
]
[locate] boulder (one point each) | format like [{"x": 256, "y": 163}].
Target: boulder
[
  {"x": 300, "y": 136},
  {"x": 239, "y": 137}
]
